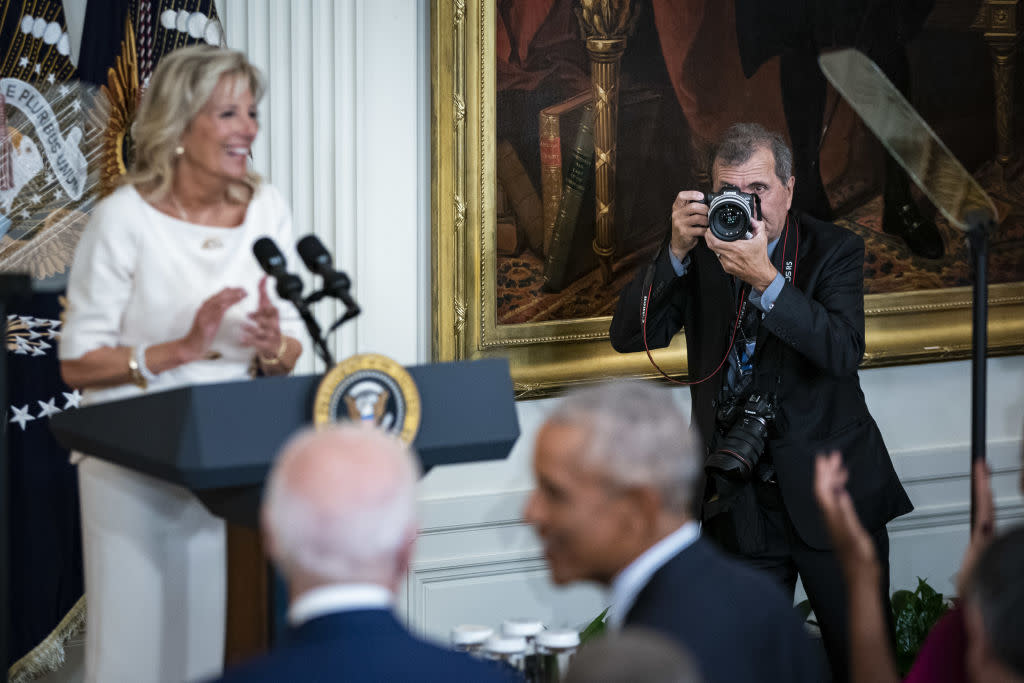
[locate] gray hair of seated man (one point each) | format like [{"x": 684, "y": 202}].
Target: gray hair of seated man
[
  {"x": 637, "y": 435},
  {"x": 340, "y": 504},
  {"x": 634, "y": 655},
  {"x": 996, "y": 587}
]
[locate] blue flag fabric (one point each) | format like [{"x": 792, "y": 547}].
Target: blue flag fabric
[
  {"x": 158, "y": 27},
  {"x": 45, "y": 573},
  {"x": 46, "y": 548}
]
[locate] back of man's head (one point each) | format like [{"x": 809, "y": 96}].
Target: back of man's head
[
  {"x": 636, "y": 434},
  {"x": 634, "y": 655},
  {"x": 339, "y": 507},
  {"x": 995, "y": 594}
]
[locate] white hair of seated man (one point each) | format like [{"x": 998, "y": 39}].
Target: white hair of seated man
[{"x": 340, "y": 507}]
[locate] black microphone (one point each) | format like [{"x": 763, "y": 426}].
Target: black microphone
[
  {"x": 272, "y": 261},
  {"x": 289, "y": 287},
  {"x": 316, "y": 258}
]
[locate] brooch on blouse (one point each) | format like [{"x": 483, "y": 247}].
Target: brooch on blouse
[{"x": 212, "y": 243}]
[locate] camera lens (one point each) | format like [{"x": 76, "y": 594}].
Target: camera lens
[
  {"x": 739, "y": 449},
  {"x": 730, "y": 216},
  {"x": 729, "y": 219}
]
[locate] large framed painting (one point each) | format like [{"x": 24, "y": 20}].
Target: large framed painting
[{"x": 563, "y": 129}]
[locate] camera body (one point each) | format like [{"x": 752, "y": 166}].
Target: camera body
[
  {"x": 743, "y": 436},
  {"x": 730, "y": 211}
]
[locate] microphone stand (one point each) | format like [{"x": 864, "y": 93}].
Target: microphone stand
[
  {"x": 947, "y": 184},
  {"x": 339, "y": 290},
  {"x": 351, "y": 307},
  {"x": 314, "y": 332},
  {"x": 979, "y": 223},
  {"x": 290, "y": 287}
]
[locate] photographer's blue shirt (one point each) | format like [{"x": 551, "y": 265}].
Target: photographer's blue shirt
[{"x": 740, "y": 359}]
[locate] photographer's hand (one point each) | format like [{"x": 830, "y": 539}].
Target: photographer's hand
[
  {"x": 746, "y": 259},
  {"x": 689, "y": 222}
]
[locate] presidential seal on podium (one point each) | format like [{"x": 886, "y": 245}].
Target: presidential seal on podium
[{"x": 373, "y": 389}]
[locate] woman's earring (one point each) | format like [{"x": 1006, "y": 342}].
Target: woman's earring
[{"x": 179, "y": 150}]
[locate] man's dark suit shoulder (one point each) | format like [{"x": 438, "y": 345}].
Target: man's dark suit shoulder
[
  {"x": 735, "y": 620},
  {"x": 825, "y": 235},
  {"x": 363, "y": 645}
]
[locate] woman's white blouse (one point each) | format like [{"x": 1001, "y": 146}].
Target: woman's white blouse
[{"x": 139, "y": 276}]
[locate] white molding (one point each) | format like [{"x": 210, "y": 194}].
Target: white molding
[{"x": 344, "y": 112}]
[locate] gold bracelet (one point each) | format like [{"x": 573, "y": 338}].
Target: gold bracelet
[
  {"x": 280, "y": 353},
  {"x": 138, "y": 379}
]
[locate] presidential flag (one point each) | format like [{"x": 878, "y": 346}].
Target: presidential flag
[
  {"x": 122, "y": 41},
  {"x": 44, "y": 192}
]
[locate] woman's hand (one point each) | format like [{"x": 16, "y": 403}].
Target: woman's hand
[
  {"x": 852, "y": 543},
  {"x": 984, "y": 523},
  {"x": 263, "y": 333},
  {"x": 196, "y": 344},
  {"x": 108, "y": 366}
]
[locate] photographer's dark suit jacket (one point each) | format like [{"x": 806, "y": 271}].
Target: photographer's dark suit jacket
[
  {"x": 812, "y": 341},
  {"x": 361, "y": 645},
  {"x": 734, "y": 620}
]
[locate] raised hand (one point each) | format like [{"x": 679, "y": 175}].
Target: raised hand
[
  {"x": 852, "y": 542},
  {"x": 207, "y": 321},
  {"x": 984, "y": 522},
  {"x": 263, "y": 332}
]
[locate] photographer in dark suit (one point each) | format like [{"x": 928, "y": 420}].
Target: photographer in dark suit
[{"x": 778, "y": 317}]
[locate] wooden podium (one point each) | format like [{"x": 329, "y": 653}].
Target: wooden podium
[{"x": 219, "y": 440}]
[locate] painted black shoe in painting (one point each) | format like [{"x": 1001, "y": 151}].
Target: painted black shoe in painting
[{"x": 921, "y": 234}]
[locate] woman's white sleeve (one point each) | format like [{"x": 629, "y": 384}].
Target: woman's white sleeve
[{"x": 101, "y": 281}]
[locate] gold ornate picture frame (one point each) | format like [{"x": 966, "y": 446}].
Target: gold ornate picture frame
[{"x": 906, "y": 327}]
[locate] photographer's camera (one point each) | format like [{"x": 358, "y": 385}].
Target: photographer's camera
[
  {"x": 744, "y": 433},
  {"x": 730, "y": 211}
]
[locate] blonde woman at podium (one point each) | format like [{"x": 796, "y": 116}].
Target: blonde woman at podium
[{"x": 163, "y": 292}]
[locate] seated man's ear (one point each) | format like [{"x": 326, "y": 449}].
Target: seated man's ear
[
  {"x": 404, "y": 558},
  {"x": 267, "y": 538},
  {"x": 647, "y": 502}
]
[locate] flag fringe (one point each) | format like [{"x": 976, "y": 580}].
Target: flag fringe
[{"x": 48, "y": 655}]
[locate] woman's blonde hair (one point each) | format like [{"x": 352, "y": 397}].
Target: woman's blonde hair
[{"x": 180, "y": 87}]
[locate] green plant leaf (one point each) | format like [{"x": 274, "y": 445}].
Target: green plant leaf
[
  {"x": 899, "y": 600},
  {"x": 595, "y": 628},
  {"x": 914, "y": 614}
]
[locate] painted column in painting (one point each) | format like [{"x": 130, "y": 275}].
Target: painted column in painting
[{"x": 605, "y": 23}]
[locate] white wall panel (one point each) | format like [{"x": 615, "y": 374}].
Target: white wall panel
[
  {"x": 388, "y": 96},
  {"x": 342, "y": 140}
]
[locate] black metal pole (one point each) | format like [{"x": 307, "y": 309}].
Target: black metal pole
[
  {"x": 10, "y": 286},
  {"x": 5, "y": 502},
  {"x": 979, "y": 223}
]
